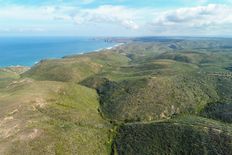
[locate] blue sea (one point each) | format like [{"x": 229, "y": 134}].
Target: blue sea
[{"x": 26, "y": 51}]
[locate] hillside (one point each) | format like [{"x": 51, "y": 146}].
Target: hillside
[
  {"x": 185, "y": 135},
  {"x": 48, "y": 117},
  {"x": 148, "y": 96}
]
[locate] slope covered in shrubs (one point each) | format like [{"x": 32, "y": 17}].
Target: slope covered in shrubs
[{"x": 146, "y": 97}]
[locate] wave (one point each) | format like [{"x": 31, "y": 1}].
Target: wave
[{"x": 109, "y": 48}]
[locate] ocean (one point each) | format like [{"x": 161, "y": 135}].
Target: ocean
[{"x": 26, "y": 51}]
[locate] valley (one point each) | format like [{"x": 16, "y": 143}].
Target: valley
[{"x": 148, "y": 96}]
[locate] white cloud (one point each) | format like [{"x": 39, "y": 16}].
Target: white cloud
[
  {"x": 197, "y": 15},
  {"x": 22, "y": 19},
  {"x": 118, "y": 15},
  {"x": 209, "y": 19},
  {"x": 5, "y": 30},
  {"x": 26, "y": 13},
  {"x": 30, "y": 29}
]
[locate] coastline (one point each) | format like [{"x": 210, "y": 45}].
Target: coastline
[
  {"x": 66, "y": 56},
  {"x": 26, "y": 51},
  {"x": 109, "y": 48}
]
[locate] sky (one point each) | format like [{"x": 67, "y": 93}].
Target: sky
[{"x": 116, "y": 17}]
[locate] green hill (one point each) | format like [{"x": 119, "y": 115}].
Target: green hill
[
  {"x": 184, "y": 135},
  {"x": 75, "y": 68},
  {"x": 51, "y": 118},
  {"x": 144, "y": 97}
]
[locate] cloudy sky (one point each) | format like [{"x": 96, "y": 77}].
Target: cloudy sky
[{"x": 116, "y": 17}]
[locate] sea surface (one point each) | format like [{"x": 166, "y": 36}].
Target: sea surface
[{"x": 26, "y": 51}]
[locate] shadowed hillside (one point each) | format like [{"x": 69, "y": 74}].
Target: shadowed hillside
[{"x": 187, "y": 135}]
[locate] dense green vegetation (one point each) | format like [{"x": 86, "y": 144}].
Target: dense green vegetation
[
  {"x": 218, "y": 111},
  {"x": 148, "y": 96},
  {"x": 188, "y": 135}
]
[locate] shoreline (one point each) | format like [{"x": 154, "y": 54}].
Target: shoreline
[
  {"x": 109, "y": 48},
  {"x": 66, "y": 56}
]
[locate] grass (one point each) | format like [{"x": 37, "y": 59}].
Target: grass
[
  {"x": 9, "y": 74},
  {"x": 52, "y": 118},
  {"x": 75, "y": 68}
]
